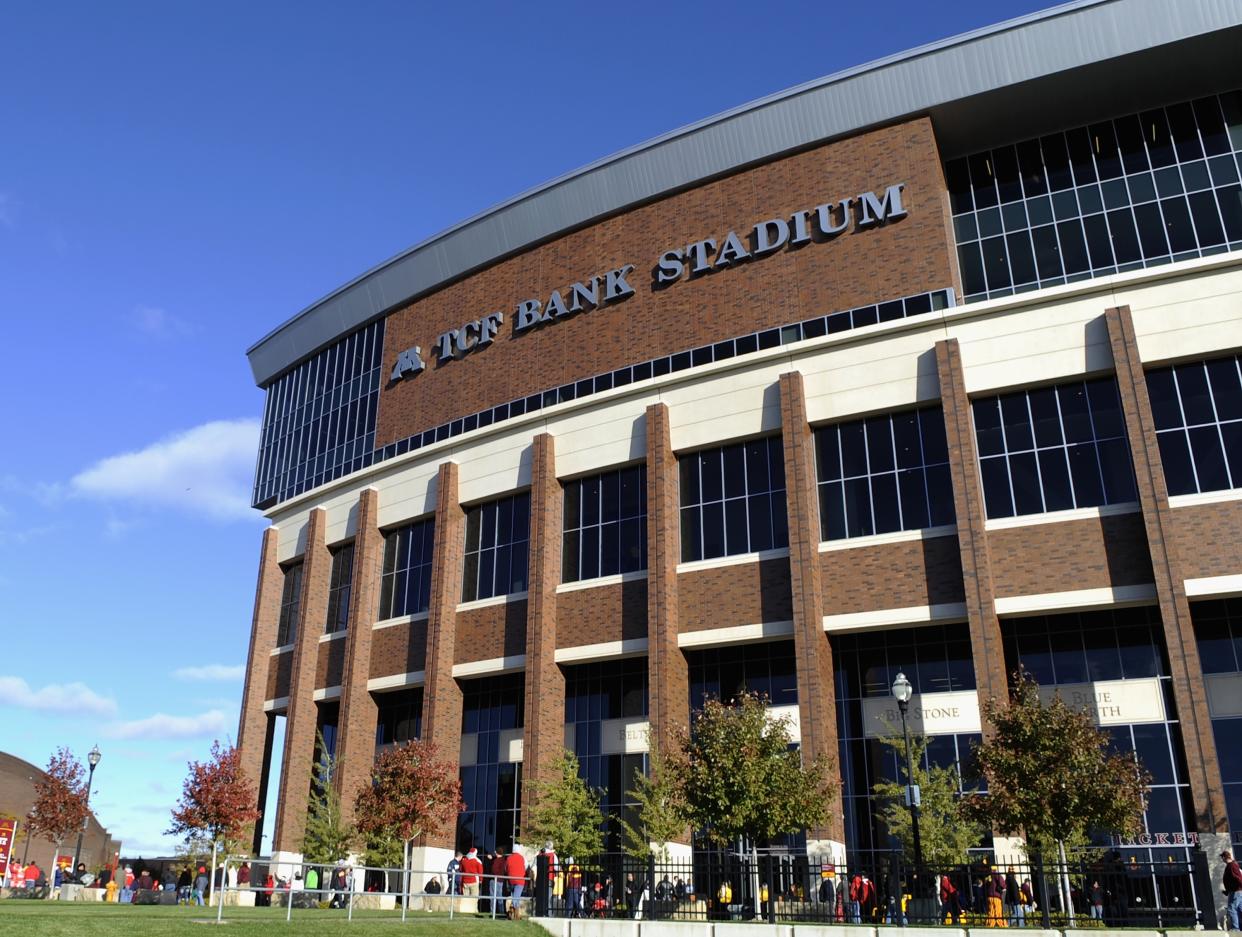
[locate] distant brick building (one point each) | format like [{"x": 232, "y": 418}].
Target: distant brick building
[
  {"x": 929, "y": 366},
  {"x": 17, "y": 794}
]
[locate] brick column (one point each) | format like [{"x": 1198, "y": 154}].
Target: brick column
[
  {"x": 816, "y": 682},
  {"x": 254, "y": 731},
  {"x": 303, "y": 713},
  {"x": 985, "y": 634},
  {"x": 668, "y": 677},
  {"x": 1189, "y": 695},
  {"x": 544, "y": 736},
  {"x": 355, "y": 749},
  {"x": 442, "y": 696}
]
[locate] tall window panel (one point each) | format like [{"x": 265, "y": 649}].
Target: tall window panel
[
  {"x": 497, "y": 543},
  {"x": 405, "y": 585},
  {"x": 769, "y": 669},
  {"x": 1197, "y": 407},
  {"x": 1053, "y": 449},
  {"x": 1132, "y": 192},
  {"x": 605, "y": 524},
  {"x": 1218, "y": 631},
  {"x": 733, "y": 500},
  {"x": 290, "y": 604},
  {"x": 399, "y": 717},
  {"x": 883, "y": 473},
  {"x": 319, "y": 419},
  {"x": 491, "y": 786},
  {"x": 340, "y": 582}
]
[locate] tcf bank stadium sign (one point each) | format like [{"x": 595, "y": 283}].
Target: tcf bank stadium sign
[{"x": 820, "y": 224}]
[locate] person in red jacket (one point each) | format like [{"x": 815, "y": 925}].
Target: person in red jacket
[
  {"x": 496, "y": 884},
  {"x": 471, "y": 871},
  {"x": 515, "y": 869}
]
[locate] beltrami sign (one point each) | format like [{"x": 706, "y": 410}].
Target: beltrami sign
[
  {"x": 817, "y": 225},
  {"x": 1113, "y": 702},
  {"x": 928, "y": 714}
]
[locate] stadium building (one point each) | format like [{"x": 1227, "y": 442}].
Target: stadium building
[{"x": 931, "y": 365}]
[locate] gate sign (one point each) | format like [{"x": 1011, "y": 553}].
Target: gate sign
[{"x": 8, "y": 827}]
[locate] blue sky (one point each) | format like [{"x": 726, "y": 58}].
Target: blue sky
[{"x": 175, "y": 180}]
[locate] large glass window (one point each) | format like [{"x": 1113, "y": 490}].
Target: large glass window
[
  {"x": 1218, "y": 629},
  {"x": 1197, "y": 407},
  {"x": 883, "y": 473},
  {"x": 935, "y": 659},
  {"x": 405, "y": 586},
  {"x": 290, "y": 604},
  {"x": 1113, "y": 644},
  {"x": 497, "y": 542},
  {"x": 1053, "y": 448},
  {"x": 319, "y": 419},
  {"x": 340, "y": 583},
  {"x": 491, "y": 787},
  {"x": 1133, "y": 192},
  {"x": 399, "y": 717},
  {"x": 595, "y": 693},
  {"x": 605, "y": 524},
  {"x": 733, "y": 500},
  {"x": 769, "y": 669}
]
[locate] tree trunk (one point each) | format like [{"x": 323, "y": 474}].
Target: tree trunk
[
  {"x": 51, "y": 869},
  {"x": 1067, "y": 901},
  {"x": 212, "y": 881}
]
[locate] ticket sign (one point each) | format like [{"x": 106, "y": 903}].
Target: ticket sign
[
  {"x": 8, "y": 828},
  {"x": 927, "y": 714},
  {"x": 1113, "y": 702}
]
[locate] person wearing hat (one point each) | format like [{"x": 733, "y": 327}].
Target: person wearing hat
[
  {"x": 471, "y": 872},
  {"x": 1231, "y": 882}
]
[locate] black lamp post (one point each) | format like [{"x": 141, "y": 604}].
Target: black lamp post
[
  {"x": 902, "y": 693},
  {"x": 92, "y": 759}
]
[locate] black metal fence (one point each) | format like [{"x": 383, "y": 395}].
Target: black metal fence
[{"x": 1105, "y": 890}]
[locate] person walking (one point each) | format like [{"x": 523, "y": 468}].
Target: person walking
[
  {"x": 994, "y": 893},
  {"x": 1013, "y": 898},
  {"x": 950, "y": 901},
  {"x": 496, "y": 884},
  {"x": 515, "y": 869},
  {"x": 200, "y": 885},
  {"x": 573, "y": 888},
  {"x": 1231, "y": 881},
  {"x": 471, "y": 873},
  {"x": 453, "y": 875},
  {"x": 1095, "y": 897}
]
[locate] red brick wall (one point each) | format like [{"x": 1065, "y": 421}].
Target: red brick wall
[
  {"x": 605, "y": 613},
  {"x": 892, "y": 575},
  {"x": 491, "y": 631},
  {"x": 1091, "y": 553},
  {"x": 1207, "y": 538},
  {"x": 908, "y": 256},
  {"x": 399, "y": 649},
  {"x": 735, "y": 595}
]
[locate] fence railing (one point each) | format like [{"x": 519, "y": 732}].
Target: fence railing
[{"x": 882, "y": 889}]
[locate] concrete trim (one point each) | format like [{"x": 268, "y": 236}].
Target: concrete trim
[
  {"x": 738, "y": 559},
  {"x": 402, "y": 620},
  {"x": 629, "y": 647},
  {"x": 283, "y": 649},
  {"x": 279, "y": 704},
  {"x": 1077, "y": 598},
  {"x": 897, "y": 536},
  {"x": 326, "y": 693},
  {"x": 601, "y": 581},
  {"x": 493, "y": 600},
  {"x": 887, "y": 617},
  {"x": 397, "y": 681},
  {"x": 493, "y": 665},
  {"x": 1213, "y": 585},
  {"x": 737, "y": 634},
  {"x": 1205, "y": 497},
  {"x": 1060, "y": 517},
  {"x": 333, "y": 636}
]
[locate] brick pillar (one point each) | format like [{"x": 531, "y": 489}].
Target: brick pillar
[
  {"x": 1189, "y": 695},
  {"x": 668, "y": 677},
  {"x": 986, "y": 646},
  {"x": 544, "y": 736},
  {"x": 816, "y": 680},
  {"x": 442, "y": 696},
  {"x": 255, "y": 726},
  {"x": 355, "y": 749},
  {"x": 303, "y": 713}
]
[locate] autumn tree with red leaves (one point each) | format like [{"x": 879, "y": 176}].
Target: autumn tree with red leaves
[
  {"x": 217, "y": 802},
  {"x": 412, "y": 794},
  {"x": 59, "y": 808}
]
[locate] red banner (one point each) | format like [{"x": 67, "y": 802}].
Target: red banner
[{"x": 8, "y": 826}]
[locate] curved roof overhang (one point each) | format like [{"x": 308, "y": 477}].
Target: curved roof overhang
[{"x": 1016, "y": 79}]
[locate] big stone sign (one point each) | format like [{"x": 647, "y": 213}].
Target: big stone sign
[{"x": 702, "y": 257}]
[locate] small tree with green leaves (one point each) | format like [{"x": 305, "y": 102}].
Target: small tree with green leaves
[
  {"x": 565, "y": 811},
  {"x": 1051, "y": 776},
  {"x": 946, "y": 831},
  {"x": 739, "y": 776},
  {"x": 661, "y": 814},
  {"x": 327, "y": 838}
]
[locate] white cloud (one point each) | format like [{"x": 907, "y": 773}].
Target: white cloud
[
  {"x": 67, "y": 698},
  {"x": 161, "y": 323},
  {"x": 211, "y": 672},
  {"x": 163, "y": 726},
  {"x": 204, "y": 470}
]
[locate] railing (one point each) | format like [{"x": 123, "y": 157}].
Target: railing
[{"x": 882, "y": 889}]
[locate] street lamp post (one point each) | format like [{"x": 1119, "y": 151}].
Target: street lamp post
[
  {"x": 902, "y": 693},
  {"x": 93, "y": 760}
]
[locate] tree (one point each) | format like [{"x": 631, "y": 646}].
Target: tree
[
  {"x": 412, "y": 793},
  {"x": 565, "y": 811},
  {"x": 661, "y": 812},
  {"x": 946, "y": 831},
  {"x": 327, "y": 838},
  {"x": 59, "y": 808},
  {"x": 217, "y": 802},
  {"x": 740, "y": 777},
  {"x": 1051, "y": 777}
]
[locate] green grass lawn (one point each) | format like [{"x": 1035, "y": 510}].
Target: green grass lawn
[{"x": 81, "y": 919}]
